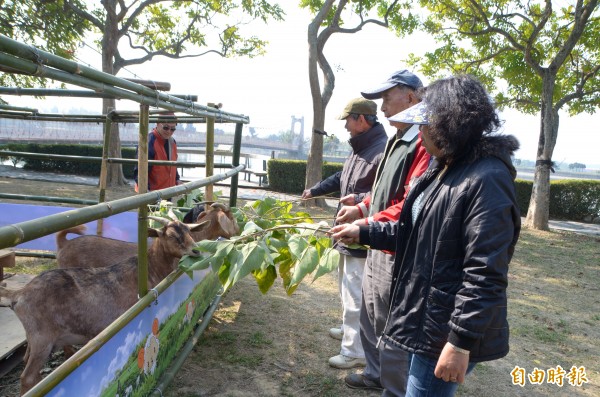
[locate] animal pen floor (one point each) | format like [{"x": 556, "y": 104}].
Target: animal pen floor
[{"x": 13, "y": 335}]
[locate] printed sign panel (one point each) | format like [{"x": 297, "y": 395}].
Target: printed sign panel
[{"x": 133, "y": 360}]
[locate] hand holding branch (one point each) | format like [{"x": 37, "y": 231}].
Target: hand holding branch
[{"x": 346, "y": 234}]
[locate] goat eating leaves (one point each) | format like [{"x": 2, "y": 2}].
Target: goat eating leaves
[{"x": 70, "y": 306}]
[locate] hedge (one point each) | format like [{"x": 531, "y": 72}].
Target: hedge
[
  {"x": 68, "y": 167},
  {"x": 289, "y": 176},
  {"x": 570, "y": 199}
]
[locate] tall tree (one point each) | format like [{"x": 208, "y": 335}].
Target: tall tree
[
  {"x": 329, "y": 17},
  {"x": 47, "y": 25},
  {"x": 534, "y": 56},
  {"x": 150, "y": 28}
]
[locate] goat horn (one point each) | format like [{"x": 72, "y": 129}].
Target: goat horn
[
  {"x": 203, "y": 202},
  {"x": 220, "y": 205},
  {"x": 172, "y": 215},
  {"x": 160, "y": 220}
]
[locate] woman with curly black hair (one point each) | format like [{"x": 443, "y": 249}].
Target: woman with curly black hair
[{"x": 453, "y": 242}]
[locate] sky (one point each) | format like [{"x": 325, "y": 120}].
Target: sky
[{"x": 273, "y": 88}]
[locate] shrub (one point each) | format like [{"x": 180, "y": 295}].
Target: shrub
[
  {"x": 574, "y": 199},
  {"x": 289, "y": 176},
  {"x": 569, "y": 198},
  {"x": 68, "y": 167}
]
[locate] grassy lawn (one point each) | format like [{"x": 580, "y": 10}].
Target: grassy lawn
[{"x": 554, "y": 295}]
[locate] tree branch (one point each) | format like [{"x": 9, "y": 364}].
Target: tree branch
[
  {"x": 579, "y": 92},
  {"x": 85, "y": 15},
  {"x": 582, "y": 14},
  {"x": 120, "y": 62}
]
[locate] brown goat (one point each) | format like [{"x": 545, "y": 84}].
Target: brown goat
[
  {"x": 90, "y": 251},
  {"x": 220, "y": 223},
  {"x": 70, "y": 306},
  {"x": 96, "y": 251}
]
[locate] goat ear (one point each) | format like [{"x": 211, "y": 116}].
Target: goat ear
[
  {"x": 154, "y": 232},
  {"x": 198, "y": 226},
  {"x": 227, "y": 225},
  {"x": 201, "y": 215},
  {"x": 220, "y": 206}
]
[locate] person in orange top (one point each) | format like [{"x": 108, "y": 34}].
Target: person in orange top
[{"x": 161, "y": 146}]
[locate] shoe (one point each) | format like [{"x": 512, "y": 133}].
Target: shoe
[
  {"x": 344, "y": 362},
  {"x": 336, "y": 333},
  {"x": 359, "y": 381}
]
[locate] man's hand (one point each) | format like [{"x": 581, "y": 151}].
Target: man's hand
[
  {"x": 347, "y": 214},
  {"x": 306, "y": 194},
  {"x": 452, "y": 365},
  {"x": 348, "y": 200},
  {"x": 346, "y": 234}
]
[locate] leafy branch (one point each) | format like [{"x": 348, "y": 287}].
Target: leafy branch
[{"x": 274, "y": 242}]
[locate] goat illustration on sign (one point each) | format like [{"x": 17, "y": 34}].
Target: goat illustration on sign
[{"x": 148, "y": 355}]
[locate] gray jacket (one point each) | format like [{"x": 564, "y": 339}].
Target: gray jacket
[{"x": 358, "y": 174}]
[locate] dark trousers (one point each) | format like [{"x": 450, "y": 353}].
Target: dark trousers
[{"x": 377, "y": 279}]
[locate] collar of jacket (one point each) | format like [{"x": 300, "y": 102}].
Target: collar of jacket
[
  {"x": 157, "y": 136},
  {"x": 160, "y": 139},
  {"x": 409, "y": 133},
  {"x": 499, "y": 146},
  {"x": 365, "y": 139}
]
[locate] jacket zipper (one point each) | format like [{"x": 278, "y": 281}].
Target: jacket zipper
[{"x": 395, "y": 292}]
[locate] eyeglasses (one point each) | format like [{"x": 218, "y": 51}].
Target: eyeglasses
[{"x": 167, "y": 128}]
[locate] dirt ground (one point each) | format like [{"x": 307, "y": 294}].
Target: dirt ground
[{"x": 277, "y": 345}]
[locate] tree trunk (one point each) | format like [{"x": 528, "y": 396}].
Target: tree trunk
[
  {"x": 538, "y": 213},
  {"x": 314, "y": 164},
  {"x": 110, "y": 41},
  {"x": 316, "y": 59}
]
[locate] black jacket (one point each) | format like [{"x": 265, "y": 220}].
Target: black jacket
[
  {"x": 358, "y": 174},
  {"x": 450, "y": 273}
]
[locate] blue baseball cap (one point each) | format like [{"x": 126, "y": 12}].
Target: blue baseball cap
[
  {"x": 417, "y": 114},
  {"x": 401, "y": 77}
]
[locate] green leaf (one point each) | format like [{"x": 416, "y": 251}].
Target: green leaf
[
  {"x": 328, "y": 262},
  {"x": 253, "y": 256},
  {"x": 251, "y": 228},
  {"x": 358, "y": 246},
  {"x": 265, "y": 278},
  {"x": 233, "y": 261},
  {"x": 297, "y": 246},
  {"x": 305, "y": 264},
  {"x": 188, "y": 263}
]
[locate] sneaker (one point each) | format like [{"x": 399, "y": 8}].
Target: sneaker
[
  {"x": 336, "y": 333},
  {"x": 344, "y": 362},
  {"x": 359, "y": 381}
]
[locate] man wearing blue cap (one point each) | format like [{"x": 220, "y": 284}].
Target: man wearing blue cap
[{"x": 404, "y": 160}]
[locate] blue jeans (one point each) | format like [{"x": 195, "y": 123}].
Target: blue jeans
[{"x": 423, "y": 383}]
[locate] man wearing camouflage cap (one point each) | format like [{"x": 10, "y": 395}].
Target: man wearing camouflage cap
[{"x": 367, "y": 139}]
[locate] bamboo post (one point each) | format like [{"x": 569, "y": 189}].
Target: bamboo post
[
  {"x": 143, "y": 210},
  {"x": 103, "y": 168},
  {"x": 210, "y": 153},
  {"x": 235, "y": 161}
]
